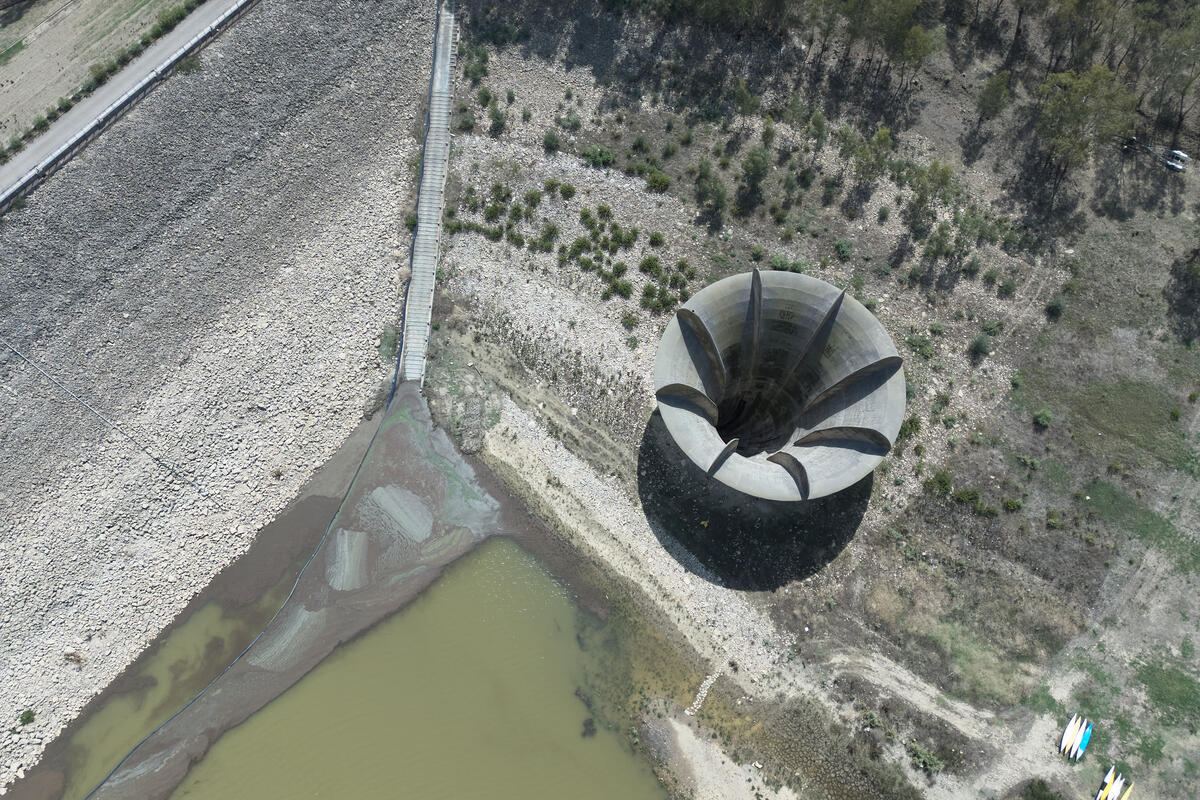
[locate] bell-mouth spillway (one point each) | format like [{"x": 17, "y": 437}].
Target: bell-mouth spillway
[{"x": 780, "y": 385}]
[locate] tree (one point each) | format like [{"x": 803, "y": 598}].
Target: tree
[
  {"x": 1080, "y": 109},
  {"x": 994, "y": 95},
  {"x": 711, "y": 194},
  {"x": 744, "y": 100},
  {"x": 754, "y": 170},
  {"x": 818, "y": 129}
]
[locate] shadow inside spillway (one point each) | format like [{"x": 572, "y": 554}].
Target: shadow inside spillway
[{"x": 731, "y": 538}]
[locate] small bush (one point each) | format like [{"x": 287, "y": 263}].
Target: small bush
[
  {"x": 651, "y": 266},
  {"x": 1043, "y": 417},
  {"x": 410, "y": 221},
  {"x": 189, "y": 64},
  {"x": 1012, "y": 504},
  {"x": 1007, "y": 288},
  {"x": 571, "y": 122},
  {"x": 924, "y": 759},
  {"x": 526, "y": 114},
  {"x": 510, "y": 97},
  {"x": 921, "y": 345},
  {"x": 757, "y": 252},
  {"x": 550, "y": 141},
  {"x": 656, "y": 239},
  {"x": 498, "y": 120},
  {"x": 1055, "y": 308},
  {"x": 942, "y": 482},
  {"x": 971, "y": 268},
  {"x": 658, "y": 181},
  {"x": 551, "y": 186},
  {"x": 26, "y": 717},
  {"x": 980, "y": 346},
  {"x": 629, "y": 320},
  {"x": 567, "y": 191},
  {"x": 40, "y": 123},
  {"x": 484, "y": 96},
  {"x": 884, "y": 213},
  {"x": 843, "y": 248},
  {"x": 598, "y": 157},
  {"x": 532, "y": 198},
  {"x": 669, "y": 149}
]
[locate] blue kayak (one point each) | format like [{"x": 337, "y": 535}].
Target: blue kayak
[{"x": 1083, "y": 743}]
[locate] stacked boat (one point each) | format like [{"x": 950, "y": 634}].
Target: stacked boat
[
  {"x": 1075, "y": 737},
  {"x": 1114, "y": 786}
]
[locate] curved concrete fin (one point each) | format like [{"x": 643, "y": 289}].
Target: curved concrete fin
[
  {"x": 875, "y": 440},
  {"x": 706, "y": 358},
  {"x": 680, "y": 394},
  {"x": 752, "y": 328},
  {"x": 795, "y": 469},
  {"x": 731, "y": 446},
  {"x": 887, "y": 364},
  {"x": 820, "y": 335}
]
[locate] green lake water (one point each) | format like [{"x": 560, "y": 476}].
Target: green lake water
[{"x": 468, "y": 692}]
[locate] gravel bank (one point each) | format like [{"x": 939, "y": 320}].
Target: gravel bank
[{"x": 212, "y": 275}]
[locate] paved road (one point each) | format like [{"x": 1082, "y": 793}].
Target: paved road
[
  {"x": 83, "y": 117},
  {"x": 418, "y": 304}
]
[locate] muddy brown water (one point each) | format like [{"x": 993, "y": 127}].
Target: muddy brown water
[{"x": 474, "y": 687}]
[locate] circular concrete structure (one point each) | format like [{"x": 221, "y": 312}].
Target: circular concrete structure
[{"x": 780, "y": 385}]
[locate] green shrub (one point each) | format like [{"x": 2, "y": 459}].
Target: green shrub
[
  {"x": 40, "y": 123},
  {"x": 550, "y": 141},
  {"x": 941, "y": 482},
  {"x": 656, "y": 239},
  {"x": 484, "y": 96},
  {"x": 498, "y": 119},
  {"x": 658, "y": 181},
  {"x": 757, "y": 252},
  {"x": 551, "y": 186},
  {"x": 475, "y": 63},
  {"x": 629, "y": 320},
  {"x": 1012, "y": 504},
  {"x": 510, "y": 97},
  {"x": 526, "y": 114},
  {"x": 651, "y": 266},
  {"x": 921, "y": 345},
  {"x": 884, "y": 213},
  {"x": 669, "y": 149},
  {"x": 567, "y": 191},
  {"x": 1043, "y": 417},
  {"x": 1055, "y": 308},
  {"x": 843, "y": 248},
  {"x": 571, "y": 122},
  {"x": 598, "y": 157},
  {"x": 26, "y": 716}
]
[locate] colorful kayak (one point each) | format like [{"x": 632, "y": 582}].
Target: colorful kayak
[
  {"x": 1074, "y": 751},
  {"x": 1103, "y": 793},
  {"x": 1068, "y": 734},
  {"x": 1083, "y": 741}
]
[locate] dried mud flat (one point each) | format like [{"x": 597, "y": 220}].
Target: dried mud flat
[{"x": 213, "y": 275}]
